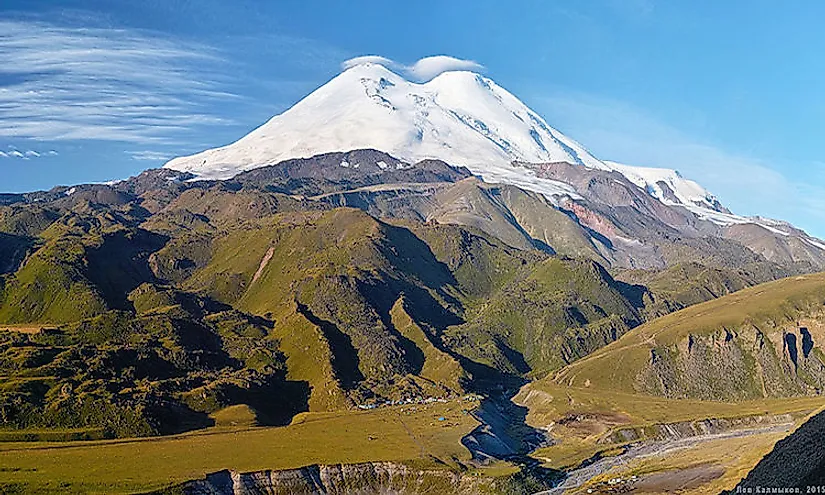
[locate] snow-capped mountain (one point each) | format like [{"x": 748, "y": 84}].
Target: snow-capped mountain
[{"x": 460, "y": 117}]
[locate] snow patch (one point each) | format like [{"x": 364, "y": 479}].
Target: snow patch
[
  {"x": 814, "y": 243},
  {"x": 680, "y": 191}
]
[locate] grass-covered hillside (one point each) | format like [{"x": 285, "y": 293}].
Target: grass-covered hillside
[
  {"x": 763, "y": 341},
  {"x": 142, "y": 314}
]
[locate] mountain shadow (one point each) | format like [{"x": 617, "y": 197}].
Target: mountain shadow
[
  {"x": 121, "y": 263},
  {"x": 345, "y": 356}
]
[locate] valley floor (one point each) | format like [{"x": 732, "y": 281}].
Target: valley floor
[
  {"x": 412, "y": 433},
  {"x": 606, "y": 443},
  {"x": 610, "y": 442}
]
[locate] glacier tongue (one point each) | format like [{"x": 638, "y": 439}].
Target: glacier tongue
[{"x": 668, "y": 186}]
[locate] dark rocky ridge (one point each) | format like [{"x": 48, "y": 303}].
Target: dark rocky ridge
[
  {"x": 332, "y": 172},
  {"x": 797, "y": 461}
]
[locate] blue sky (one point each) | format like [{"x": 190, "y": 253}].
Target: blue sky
[{"x": 729, "y": 93}]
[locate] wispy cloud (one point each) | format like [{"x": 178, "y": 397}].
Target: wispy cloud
[
  {"x": 26, "y": 154},
  {"x": 155, "y": 156},
  {"x": 61, "y": 83},
  {"x": 423, "y": 70},
  {"x": 750, "y": 185}
]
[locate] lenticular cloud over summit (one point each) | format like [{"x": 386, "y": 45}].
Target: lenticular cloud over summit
[{"x": 423, "y": 70}]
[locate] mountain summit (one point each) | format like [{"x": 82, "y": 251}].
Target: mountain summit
[{"x": 460, "y": 117}]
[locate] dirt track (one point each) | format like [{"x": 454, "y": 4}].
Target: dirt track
[{"x": 23, "y": 328}]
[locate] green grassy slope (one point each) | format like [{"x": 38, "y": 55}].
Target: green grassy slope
[
  {"x": 686, "y": 284},
  {"x": 142, "y": 465},
  {"x": 51, "y": 287},
  {"x": 560, "y": 311}
]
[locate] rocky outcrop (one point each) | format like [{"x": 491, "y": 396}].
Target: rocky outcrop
[
  {"x": 690, "y": 429},
  {"x": 341, "y": 479},
  {"x": 734, "y": 365}
]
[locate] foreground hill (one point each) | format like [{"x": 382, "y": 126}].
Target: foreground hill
[
  {"x": 691, "y": 401},
  {"x": 803, "y": 450}
]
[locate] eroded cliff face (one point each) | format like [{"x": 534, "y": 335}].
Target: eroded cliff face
[
  {"x": 697, "y": 429},
  {"x": 343, "y": 479},
  {"x": 748, "y": 363}
]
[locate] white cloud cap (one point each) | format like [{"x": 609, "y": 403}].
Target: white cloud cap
[
  {"x": 423, "y": 70},
  {"x": 148, "y": 155},
  {"x": 370, "y": 59},
  {"x": 429, "y": 67}
]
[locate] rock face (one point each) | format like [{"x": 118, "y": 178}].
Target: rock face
[
  {"x": 797, "y": 461},
  {"x": 690, "y": 429},
  {"x": 743, "y": 364},
  {"x": 338, "y": 479}
]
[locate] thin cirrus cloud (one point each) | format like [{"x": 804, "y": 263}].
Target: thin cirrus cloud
[
  {"x": 423, "y": 70},
  {"x": 26, "y": 154},
  {"x": 148, "y": 155},
  {"x": 59, "y": 84}
]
